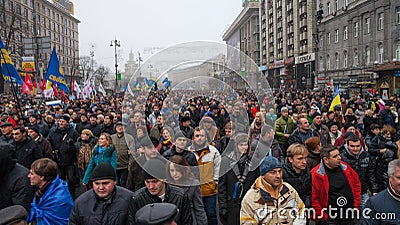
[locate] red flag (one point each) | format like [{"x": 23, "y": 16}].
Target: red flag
[
  {"x": 43, "y": 85},
  {"x": 25, "y": 88},
  {"x": 34, "y": 84},
  {"x": 72, "y": 85},
  {"x": 63, "y": 95},
  {"x": 28, "y": 81},
  {"x": 55, "y": 90}
]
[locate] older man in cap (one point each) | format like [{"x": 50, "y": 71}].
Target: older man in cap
[
  {"x": 270, "y": 200},
  {"x": 62, "y": 139},
  {"x": 105, "y": 204},
  {"x": 6, "y": 130},
  {"x": 44, "y": 144},
  {"x": 158, "y": 191},
  {"x": 157, "y": 214},
  {"x": 13, "y": 215},
  {"x": 124, "y": 143}
]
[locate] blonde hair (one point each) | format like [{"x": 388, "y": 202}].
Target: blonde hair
[
  {"x": 296, "y": 149},
  {"x": 87, "y": 132},
  {"x": 369, "y": 113}
]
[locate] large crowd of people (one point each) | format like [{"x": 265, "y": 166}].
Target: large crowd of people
[{"x": 190, "y": 157}]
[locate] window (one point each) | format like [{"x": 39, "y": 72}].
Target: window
[
  {"x": 11, "y": 6},
  {"x": 328, "y": 62},
  {"x": 328, "y": 38},
  {"x": 367, "y": 25},
  {"x": 321, "y": 63},
  {"x": 345, "y": 59},
  {"x": 336, "y": 36},
  {"x": 336, "y": 5},
  {"x": 380, "y": 21},
  {"x": 367, "y": 55},
  {"x": 380, "y": 53},
  {"x": 26, "y": 13},
  {"x": 345, "y": 33},
  {"x": 328, "y": 8},
  {"x": 356, "y": 29},
  {"x": 398, "y": 15},
  {"x": 355, "y": 59},
  {"x": 336, "y": 61},
  {"x": 397, "y": 53},
  {"x": 345, "y": 2}
]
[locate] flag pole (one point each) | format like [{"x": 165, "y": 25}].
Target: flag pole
[{"x": 13, "y": 89}]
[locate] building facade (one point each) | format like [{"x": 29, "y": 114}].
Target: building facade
[
  {"x": 359, "y": 42},
  {"x": 39, "y": 20}
]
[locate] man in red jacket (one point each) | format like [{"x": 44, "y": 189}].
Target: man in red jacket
[{"x": 336, "y": 190}]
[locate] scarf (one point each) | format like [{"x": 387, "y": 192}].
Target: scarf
[
  {"x": 40, "y": 191},
  {"x": 84, "y": 156},
  {"x": 273, "y": 192}
]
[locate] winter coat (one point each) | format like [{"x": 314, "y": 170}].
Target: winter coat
[
  {"x": 386, "y": 117},
  {"x": 135, "y": 176},
  {"x": 320, "y": 189},
  {"x": 296, "y": 138},
  {"x": 90, "y": 209},
  {"x": 123, "y": 144},
  {"x": 259, "y": 149},
  {"x": 367, "y": 121},
  {"x": 364, "y": 166},
  {"x": 382, "y": 160},
  {"x": 45, "y": 147},
  {"x": 15, "y": 186},
  {"x": 192, "y": 189},
  {"x": 187, "y": 131},
  {"x": 62, "y": 141},
  {"x": 27, "y": 151},
  {"x": 229, "y": 205},
  {"x": 382, "y": 204},
  {"x": 96, "y": 129},
  {"x": 85, "y": 150},
  {"x": 209, "y": 161},
  {"x": 173, "y": 195},
  {"x": 108, "y": 129},
  {"x": 300, "y": 181},
  {"x": 313, "y": 159},
  {"x": 189, "y": 156},
  {"x": 259, "y": 206},
  {"x": 109, "y": 155},
  {"x": 283, "y": 127},
  {"x": 323, "y": 134},
  {"x": 54, "y": 207},
  {"x": 340, "y": 141}
]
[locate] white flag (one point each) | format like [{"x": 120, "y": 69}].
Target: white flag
[{"x": 101, "y": 90}]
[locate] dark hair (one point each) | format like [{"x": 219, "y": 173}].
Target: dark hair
[
  {"x": 326, "y": 151},
  {"x": 20, "y": 128},
  {"x": 45, "y": 167},
  {"x": 109, "y": 116},
  {"x": 266, "y": 128},
  {"x": 352, "y": 137},
  {"x": 182, "y": 165}
]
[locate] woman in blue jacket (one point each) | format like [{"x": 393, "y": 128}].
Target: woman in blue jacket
[{"x": 104, "y": 151}]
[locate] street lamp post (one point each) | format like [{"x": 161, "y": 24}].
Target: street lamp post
[{"x": 116, "y": 43}]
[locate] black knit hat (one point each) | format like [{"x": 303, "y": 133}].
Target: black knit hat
[
  {"x": 315, "y": 115},
  {"x": 154, "y": 169},
  {"x": 65, "y": 117},
  {"x": 103, "y": 171},
  {"x": 34, "y": 128}
]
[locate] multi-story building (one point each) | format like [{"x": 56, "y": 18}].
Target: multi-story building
[
  {"x": 21, "y": 19},
  {"x": 288, "y": 43},
  {"x": 359, "y": 41},
  {"x": 244, "y": 34}
]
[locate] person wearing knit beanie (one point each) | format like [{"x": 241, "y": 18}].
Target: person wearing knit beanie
[
  {"x": 103, "y": 171},
  {"x": 269, "y": 163}
]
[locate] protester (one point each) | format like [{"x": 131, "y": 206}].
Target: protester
[
  {"x": 157, "y": 213},
  {"x": 178, "y": 174},
  {"x": 52, "y": 203},
  {"x": 314, "y": 146},
  {"x": 106, "y": 203},
  {"x": 26, "y": 149},
  {"x": 265, "y": 194},
  {"x": 13, "y": 215},
  {"x": 85, "y": 146},
  {"x": 44, "y": 144}
]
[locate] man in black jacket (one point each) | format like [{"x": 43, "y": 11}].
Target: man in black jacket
[
  {"x": 296, "y": 173},
  {"x": 360, "y": 160},
  {"x": 14, "y": 183},
  {"x": 157, "y": 190},
  {"x": 93, "y": 126},
  {"x": 107, "y": 203},
  {"x": 26, "y": 149},
  {"x": 62, "y": 139}
]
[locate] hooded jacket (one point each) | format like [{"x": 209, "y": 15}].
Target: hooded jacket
[{"x": 261, "y": 205}]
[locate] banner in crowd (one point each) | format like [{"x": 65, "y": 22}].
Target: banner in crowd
[
  {"x": 7, "y": 67},
  {"x": 55, "y": 74}
]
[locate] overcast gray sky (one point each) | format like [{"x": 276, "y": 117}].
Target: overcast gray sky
[{"x": 144, "y": 23}]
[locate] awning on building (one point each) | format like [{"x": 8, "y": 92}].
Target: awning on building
[{"x": 386, "y": 67}]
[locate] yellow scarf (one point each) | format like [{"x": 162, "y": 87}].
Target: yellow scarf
[{"x": 273, "y": 192}]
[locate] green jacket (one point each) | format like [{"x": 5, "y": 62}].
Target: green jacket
[{"x": 283, "y": 127}]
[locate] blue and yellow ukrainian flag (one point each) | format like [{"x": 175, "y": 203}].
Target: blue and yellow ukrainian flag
[
  {"x": 55, "y": 73},
  {"x": 7, "y": 67},
  {"x": 336, "y": 100}
]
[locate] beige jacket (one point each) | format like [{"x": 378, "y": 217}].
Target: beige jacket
[{"x": 260, "y": 207}]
